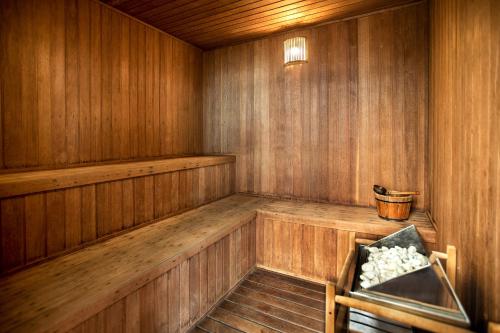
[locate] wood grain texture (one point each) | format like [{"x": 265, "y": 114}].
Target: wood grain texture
[
  {"x": 209, "y": 24},
  {"x": 464, "y": 149},
  {"x": 61, "y": 293},
  {"x": 29, "y": 182},
  {"x": 82, "y": 83},
  {"x": 353, "y": 116},
  {"x": 349, "y": 218},
  {"x": 226, "y": 229},
  {"x": 253, "y": 307},
  {"x": 155, "y": 306},
  {"x": 302, "y": 247},
  {"x": 38, "y": 226}
]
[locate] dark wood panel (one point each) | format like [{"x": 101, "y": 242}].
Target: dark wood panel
[
  {"x": 292, "y": 281},
  {"x": 210, "y": 325},
  {"x": 282, "y": 284},
  {"x": 282, "y": 303},
  {"x": 267, "y": 310},
  {"x": 294, "y": 318},
  {"x": 464, "y": 147},
  {"x": 353, "y": 116},
  {"x": 242, "y": 324},
  {"x": 35, "y": 227},
  {"x": 318, "y": 305},
  {"x": 210, "y": 24},
  {"x": 82, "y": 83},
  {"x": 265, "y": 319}
]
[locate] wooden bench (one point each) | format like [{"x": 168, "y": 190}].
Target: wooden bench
[
  {"x": 64, "y": 292},
  {"x": 97, "y": 202},
  {"x": 311, "y": 240}
]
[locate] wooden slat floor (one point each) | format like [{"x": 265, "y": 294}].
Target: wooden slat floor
[{"x": 269, "y": 302}]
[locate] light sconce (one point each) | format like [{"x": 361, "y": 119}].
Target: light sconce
[{"x": 295, "y": 50}]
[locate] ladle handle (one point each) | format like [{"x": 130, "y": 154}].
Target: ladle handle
[{"x": 404, "y": 193}]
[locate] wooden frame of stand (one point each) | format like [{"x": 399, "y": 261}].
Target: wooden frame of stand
[{"x": 337, "y": 303}]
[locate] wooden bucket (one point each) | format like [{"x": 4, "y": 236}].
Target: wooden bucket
[{"x": 393, "y": 207}]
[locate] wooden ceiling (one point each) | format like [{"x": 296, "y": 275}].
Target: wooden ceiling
[{"x": 209, "y": 24}]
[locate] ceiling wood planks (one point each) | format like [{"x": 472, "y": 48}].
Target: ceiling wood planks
[{"x": 209, "y": 24}]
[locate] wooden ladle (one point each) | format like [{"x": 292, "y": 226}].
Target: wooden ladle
[{"x": 383, "y": 191}]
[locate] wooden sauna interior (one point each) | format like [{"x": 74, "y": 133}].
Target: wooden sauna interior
[{"x": 158, "y": 155}]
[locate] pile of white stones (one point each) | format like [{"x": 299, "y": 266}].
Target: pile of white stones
[{"x": 385, "y": 264}]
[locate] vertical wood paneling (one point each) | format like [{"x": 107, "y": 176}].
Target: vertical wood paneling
[
  {"x": 203, "y": 259},
  {"x": 161, "y": 303},
  {"x": 194, "y": 288},
  {"x": 57, "y": 74},
  {"x": 184, "y": 299},
  {"x": 175, "y": 300},
  {"x": 132, "y": 308},
  {"x": 342, "y": 249},
  {"x": 116, "y": 205},
  {"x": 304, "y": 249},
  {"x": 95, "y": 48},
  {"x": 42, "y": 79},
  {"x": 84, "y": 111},
  {"x": 113, "y": 318},
  {"x": 211, "y": 273},
  {"x": 103, "y": 213},
  {"x": 73, "y": 217},
  {"x": 83, "y": 83},
  {"x": 464, "y": 150},
  {"x": 36, "y": 232},
  {"x": 37, "y": 226},
  {"x": 353, "y": 116},
  {"x": 147, "y": 307},
  {"x": 56, "y": 228},
  {"x": 89, "y": 220},
  {"x": 71, "y": 83},
  {"x": 128, "y": 204},
  {"x": 12, "y": 231}
]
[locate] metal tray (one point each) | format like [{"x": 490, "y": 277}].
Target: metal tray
[{"x": 426, "y": 291}]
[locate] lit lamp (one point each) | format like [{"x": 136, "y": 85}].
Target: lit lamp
[{"x": 295, "y": 50}]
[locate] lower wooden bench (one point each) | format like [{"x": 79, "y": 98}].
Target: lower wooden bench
[
  {"x": 169, "y": 274},
  {"x": 124, "y": 277}
]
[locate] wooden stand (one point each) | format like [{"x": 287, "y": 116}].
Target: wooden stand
[{"x": 337, "y": 299}]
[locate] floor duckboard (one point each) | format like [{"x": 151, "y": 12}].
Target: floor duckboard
[{"x": 269, "y": 302}]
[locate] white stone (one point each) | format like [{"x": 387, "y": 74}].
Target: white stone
[
  {"x": 387, "y": 263},
  {"x": 367, "y": 267},
  {"x": 365, "y": 284}
]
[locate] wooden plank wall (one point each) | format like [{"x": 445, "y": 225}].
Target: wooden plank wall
[
  {"x": 308, "y": 251},
  {"x": 81, "y": 82},
  {"x": 464, "y": 146},
  {"x": 300, "y": 248},
  {"x": 178, "y": 298},
  {"x": 353, "y": 116},
  {"x": 37, "y": 226}
]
